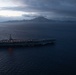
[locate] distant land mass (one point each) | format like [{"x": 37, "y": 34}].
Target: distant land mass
[{"x": 38, "y": 19}]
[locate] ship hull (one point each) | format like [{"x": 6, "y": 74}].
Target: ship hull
[{"x": 27, "y": 43}]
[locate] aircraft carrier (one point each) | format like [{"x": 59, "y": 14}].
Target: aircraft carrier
[{"x": 26, "y": 43}]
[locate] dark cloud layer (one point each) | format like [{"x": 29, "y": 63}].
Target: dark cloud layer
[
  {"x": 64, "y": 8},
  {"x": 49, "y": 8}
]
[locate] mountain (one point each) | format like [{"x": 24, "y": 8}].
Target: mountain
[
  {"x": 37, "y": 19},
  {"x": 41, "y": 19}
]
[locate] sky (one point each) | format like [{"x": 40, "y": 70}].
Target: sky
[{"x": 28, "y": 9}]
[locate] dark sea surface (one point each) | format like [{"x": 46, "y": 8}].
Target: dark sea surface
[{"x": 58, "y": 59}]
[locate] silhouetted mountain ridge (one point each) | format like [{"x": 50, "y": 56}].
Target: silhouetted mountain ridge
[{"x": 37, "y": 19}]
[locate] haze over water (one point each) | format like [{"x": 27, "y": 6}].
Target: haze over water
[{"x": 58, "y": 59}]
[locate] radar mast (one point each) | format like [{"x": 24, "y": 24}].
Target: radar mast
[{"x": 10, "y": 38}]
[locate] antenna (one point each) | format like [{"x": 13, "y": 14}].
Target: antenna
[{"x": 10, "y": 38}]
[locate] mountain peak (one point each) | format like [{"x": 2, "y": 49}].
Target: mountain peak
[{"x": 40, "y": 18}]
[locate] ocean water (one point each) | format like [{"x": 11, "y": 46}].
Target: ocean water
[{"x": 58, "y": 59}]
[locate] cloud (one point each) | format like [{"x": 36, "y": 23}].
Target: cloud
[
  {"x": 49, "y": 8},
  {"x": 2, "y": 18}
]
